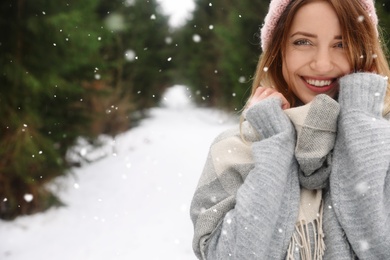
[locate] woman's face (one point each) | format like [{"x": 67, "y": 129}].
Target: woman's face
[{"x": 314, "y": 57}]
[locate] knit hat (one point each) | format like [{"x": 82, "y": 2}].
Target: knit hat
[{"x": 277, "y": 7}]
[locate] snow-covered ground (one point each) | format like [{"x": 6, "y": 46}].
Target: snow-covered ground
[{"x": 132, "y": 204}]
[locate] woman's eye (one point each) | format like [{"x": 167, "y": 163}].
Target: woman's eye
[
  {"x": 339, "y": 45},
  {"x": 302, "y": 42}
]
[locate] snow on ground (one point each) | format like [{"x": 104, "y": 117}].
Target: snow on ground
[{"x": 133, "y": 203}]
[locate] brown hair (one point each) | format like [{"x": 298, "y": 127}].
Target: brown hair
[{"x": 365, "y": 49}]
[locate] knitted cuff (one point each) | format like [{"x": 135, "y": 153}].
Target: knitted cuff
[
  {"x": 267, "y": 117},
  {"x": 362, "y": 91},
  {"x": 323, "y": 114}
]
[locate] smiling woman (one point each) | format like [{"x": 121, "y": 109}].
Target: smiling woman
[
  {"x": 315, "y": 59},
  {"x": 178, "y": 11},
  {"x": 307, "y": 169}
]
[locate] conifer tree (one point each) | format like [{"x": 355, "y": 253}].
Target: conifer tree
[
  {"x": 199, "y": 54},
  {"x": 220, "y": 64},
  {"x": 238, "y": 35},
  {"x": 139, "y": 57},
  {"x": 383, "y": 9},
  {"x": 47, "y": 50},
  {"x": 68, "y": 70}
]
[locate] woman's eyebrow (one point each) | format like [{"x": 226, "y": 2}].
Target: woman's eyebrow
[
  {"x": 306, "y": 34},
  {"x": 311, "y": 35}
]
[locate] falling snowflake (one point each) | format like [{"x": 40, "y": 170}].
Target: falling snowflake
[
  {"x": 168, "y": 40},
  {"x": 28, "y": 197},
  {"x": 362, "y": 187},
  {"x": 364, "y": 245},
  {"x": 196, "y": 38},
  {"x": 242, "y": 79},
  {"x": 130, "y": 55}
]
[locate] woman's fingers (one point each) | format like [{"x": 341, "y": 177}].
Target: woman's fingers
[
  {"x": 263, "y": 93},
  {"x": 260, "y": 94}
]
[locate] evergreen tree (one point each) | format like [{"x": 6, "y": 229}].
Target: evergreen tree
[
  {"x": 383, "y": 9},
  {"x": 199, "y": 54},
  {"x": 140, "y": 57},
  {"x": 47, "y": 50},
  {"x": 71, "y": 69},
  {"x": 219, "y": 66},
  {"x": 238, "y": 37}
]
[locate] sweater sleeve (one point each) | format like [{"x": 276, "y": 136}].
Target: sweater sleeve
[
  {"x": 262, "y": 218},
  {"x": 360, "y": 178}
]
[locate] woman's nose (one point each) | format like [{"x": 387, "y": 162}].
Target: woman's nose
[{"x": 322, "y": 61}]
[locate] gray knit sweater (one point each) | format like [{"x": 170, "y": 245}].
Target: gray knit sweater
[{"x": 247, "y": 199}]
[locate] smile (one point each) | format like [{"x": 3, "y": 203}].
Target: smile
[{"x": 319, "y": 83}]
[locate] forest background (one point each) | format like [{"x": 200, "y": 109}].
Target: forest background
[{"x": 71, "y": 69}]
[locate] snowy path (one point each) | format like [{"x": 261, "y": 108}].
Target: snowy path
[{"x": 133, "y": 204}]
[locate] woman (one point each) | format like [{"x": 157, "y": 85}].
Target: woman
[{"x": 307, "y": 175}]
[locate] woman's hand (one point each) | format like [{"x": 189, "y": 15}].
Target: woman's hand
[{"x": 263, "y": 93}]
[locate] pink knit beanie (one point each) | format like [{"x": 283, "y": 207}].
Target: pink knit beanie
[{"x": 276, "y": 8}]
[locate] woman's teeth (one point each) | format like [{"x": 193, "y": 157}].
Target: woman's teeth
[{"x": 319, "y": 83}]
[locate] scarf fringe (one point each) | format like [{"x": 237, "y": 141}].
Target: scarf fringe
[{"x": 301, "y": 241}]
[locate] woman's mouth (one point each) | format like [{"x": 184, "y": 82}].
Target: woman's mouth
[{"x": 320, "y": 85}]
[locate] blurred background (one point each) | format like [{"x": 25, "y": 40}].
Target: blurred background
[{"x": 72, "y": 69}]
